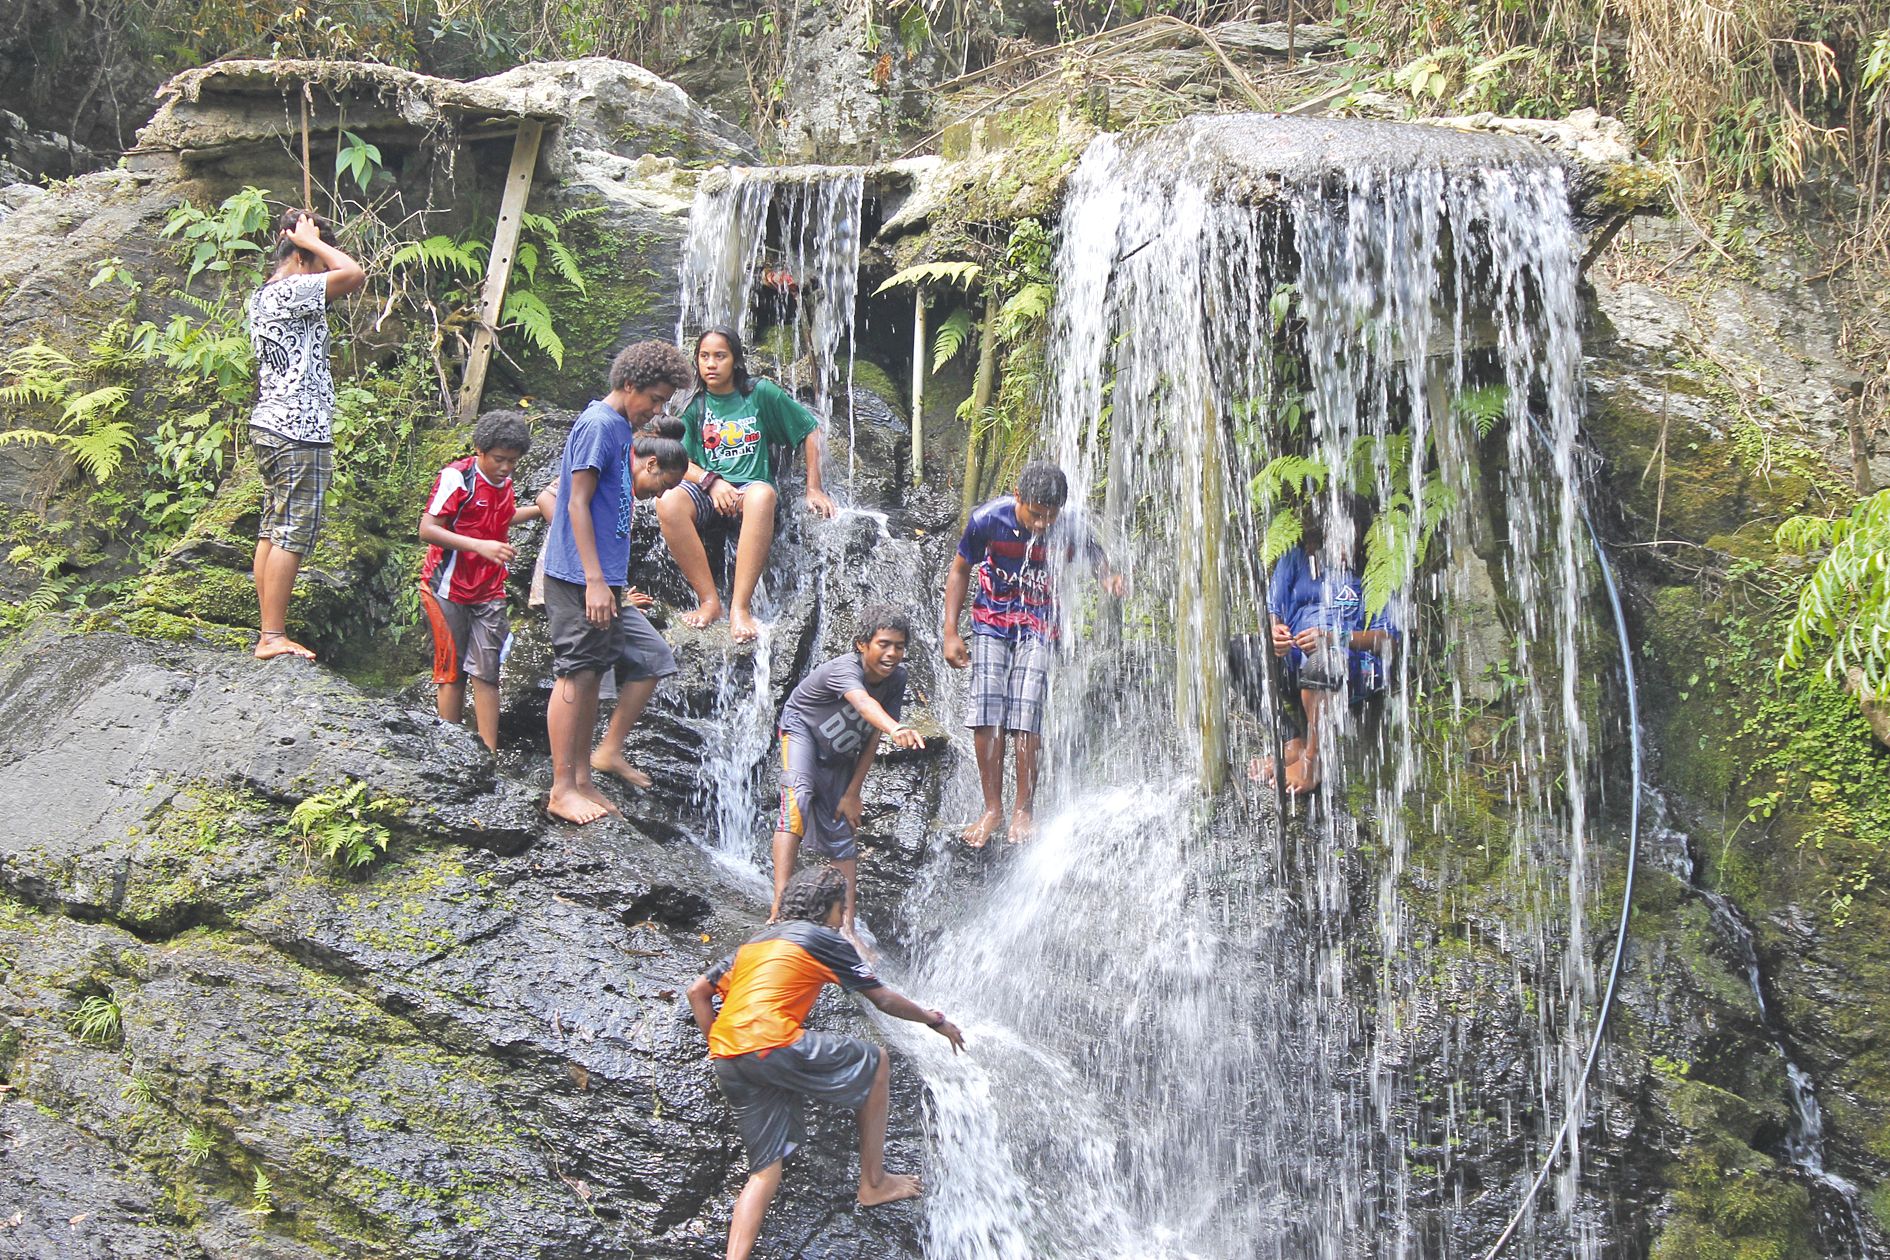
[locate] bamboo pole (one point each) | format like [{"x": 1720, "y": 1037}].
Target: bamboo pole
[
  {"x": 308, "y": 179},
  {"x": 918, "y": 384},
  {"x": 1200, "y": 649},
  {"x": 518, "y": 186},
  {"x": 981, "y": 390}
]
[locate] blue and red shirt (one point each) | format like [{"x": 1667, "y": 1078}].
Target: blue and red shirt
[
  {"x": 468, "y": 504},
  {"x": 1016, "y": 596}
]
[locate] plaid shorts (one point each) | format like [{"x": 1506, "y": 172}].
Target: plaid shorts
[
  {"x": 1009, "y": 679},
  {"x": 295, "y": 477}
]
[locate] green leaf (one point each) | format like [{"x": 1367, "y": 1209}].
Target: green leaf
[
  {"x": 952, "y": 335},
  {"x": 957, "y": 273},
  {"x": 528, "y": 313}
]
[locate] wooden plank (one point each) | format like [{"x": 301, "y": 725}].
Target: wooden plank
[
  {"x": 918, "y": 383},
  {"x": 518, "y": 186}
]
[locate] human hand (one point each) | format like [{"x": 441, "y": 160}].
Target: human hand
[
  {"x": 949, "y": 1031},
  {"x": 600, "y": 604},
  {"x": 638, "y": 599},
  {"x": 850, "y": 808},
  {"x": 305, "y": 234},
  {"x": 495, "y": 551},
  {"x": 905, "y": 737},
  {"x": 726, "y": 498},
  {"x": 819, "y": 504},
  {"x": 1282, "y": 639},
  {"x": 1116, "y": 584},
  {"x": 957, "y": 655},
  {"x": 1309, "y": 639}
]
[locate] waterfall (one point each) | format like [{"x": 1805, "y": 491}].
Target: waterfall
[
  {"x": 1185, "y": 1046},
  {"x": 777, "y": 253}
]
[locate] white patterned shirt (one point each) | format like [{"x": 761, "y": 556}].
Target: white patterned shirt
[{"x": 288, "y": 328}]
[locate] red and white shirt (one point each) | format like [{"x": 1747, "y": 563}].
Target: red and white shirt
[{"x": 468, "y": 504}]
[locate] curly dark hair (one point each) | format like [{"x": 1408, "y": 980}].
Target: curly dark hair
[
  {"x": 1042, "y": 485},
  {"x": 648, "y": 363},
  {"x": 877, "y": 617},
  {"x": 812, "y": 893},
  {"x": 503, "y": 431}
]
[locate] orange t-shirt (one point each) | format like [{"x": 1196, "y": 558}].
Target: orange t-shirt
[{"x": 768, "y": 985}]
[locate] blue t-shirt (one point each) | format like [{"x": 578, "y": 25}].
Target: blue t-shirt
[
  {"x": 600, "y": 440},
  {"x": 1016, "y": 598},
  {"x": 1330, "y": 600}
]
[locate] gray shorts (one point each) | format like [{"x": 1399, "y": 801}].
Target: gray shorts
[
  {"x": 1009, "y": 679},
  {"x": 295, "y": 478},
  {"x": 764, "y": 1089},
  {"x": 810, "y": 799},
  {"x": 629, "y": 648},
  {"x": 467, "y": 638}
]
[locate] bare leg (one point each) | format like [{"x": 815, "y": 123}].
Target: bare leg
[
  {"x": 1262, "y": 769},
  {"x": 988, "y": 741},
  {"x": 751, "y": 556},
  {"x": 676, "y": 513},
  {"x": 877, "y": 1186},
  {"x": 452, "y": 702},
  {"x": 486, "y": 711},
  {"x": 786, "y": 846},
  {"x": 1303, "y": 775},
  {"x": 1025, "y": 747},
  {"x": 850, "y": 868},
  {"x": 569, "y": 720},
  {"x": 608, "y": 757},
  {"x": 744, "y": 1226},
  {"x": 273, "y": 571}
]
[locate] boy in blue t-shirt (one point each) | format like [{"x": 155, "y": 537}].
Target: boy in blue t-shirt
[
  {"x": 595, "y": 624},
  {"x": 1324, "y": 638},
  {"x": 1009, "y": 545}
]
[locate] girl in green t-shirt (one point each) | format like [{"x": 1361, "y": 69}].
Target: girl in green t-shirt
[{"x": 728, "y": 427}]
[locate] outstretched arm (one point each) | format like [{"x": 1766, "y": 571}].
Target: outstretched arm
[
  {"x": 901, "y": 1007},
  {"x": 885, "y": 723},
  {"x": 433, "y": 531}
]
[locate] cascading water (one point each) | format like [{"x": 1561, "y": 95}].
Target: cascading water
[
  {"x": 788, "y": 243},
  {"x": 1183, "y": 1047}
]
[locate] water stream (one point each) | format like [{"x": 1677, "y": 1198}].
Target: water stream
[{"x": 1196, "y": 1023}]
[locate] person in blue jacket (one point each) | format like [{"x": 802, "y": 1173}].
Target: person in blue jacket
[{"x": 1325, "y": 639}]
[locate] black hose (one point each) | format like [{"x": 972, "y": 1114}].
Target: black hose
[{"x": 1579, "y": 1097}]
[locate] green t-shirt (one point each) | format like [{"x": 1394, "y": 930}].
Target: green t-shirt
[{"x": 734, "y": 439}]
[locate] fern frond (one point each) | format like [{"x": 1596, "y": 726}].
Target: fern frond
[
  {"x": 442, "y": 253},
  {"x": 47, "y": 595},
  {"x": 94, "y": 405},
  {"x": 959, "y": 273},
  {"x": 526, "y": 260},
  {"x": 1484, "y": 406},
  {"x": 101, "y": 449},
  {"x": 1282, "y": 535},
  {"x": 528, "y": 313},
  {"x": 1024, "y": 310},
  {"x": 951, "y": 337},
  {"x": 1389, "y": 557},
  {"x": 565, "y": 263},
  {"x": 1282, "y": 473}
]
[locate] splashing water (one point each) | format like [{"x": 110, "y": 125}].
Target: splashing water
[{"x": 1186, "y": 1047}]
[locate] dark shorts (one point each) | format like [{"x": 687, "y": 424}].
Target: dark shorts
[
  {"x": 709, "y": 520},
  {"x": 764, "y": 1089},
  {"x": 467, "y": 638},
  {"x": 1355, "y": 671},
  {"x": 1009, "y": 680},
  {"x": 810, "y": 799},
  {"x": 295, "y": 478},
  {"x": 629, "y": 648}
]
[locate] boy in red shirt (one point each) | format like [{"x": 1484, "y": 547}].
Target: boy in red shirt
[{"x": 462, "y": 585}]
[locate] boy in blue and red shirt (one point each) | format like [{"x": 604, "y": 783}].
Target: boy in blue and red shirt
[
  {"x": 1009, "y": 545},
  {"x": 462, "y": 585}
]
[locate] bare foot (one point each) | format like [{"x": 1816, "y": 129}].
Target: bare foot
[
  {"x": 979, "y": 833},
  {"x": 705, "y": 615},
  {"x": 271, "y": 646},
  {"x": 1023, "y": 828},
  {"x": 590, "y": 792},
  {"x": 574, "y": 807},
  {"x": 1302, "y": 776},
  {"x": 1260, "y": 770},
  {"x": 742, "y": 627},
  {"x": 892, "y": 1188},
  {"x": 605, "y": 762}
]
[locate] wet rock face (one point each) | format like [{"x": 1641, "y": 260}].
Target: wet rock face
[{"x": 477, "y": 1046}]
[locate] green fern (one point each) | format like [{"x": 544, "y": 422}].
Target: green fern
[
  {"x": 1283, "y": 534},
  {"x": 1845, "y": 603},
  {"x": 1288, "y": 474},
  {"x": 343, "y": 825},
  {"x": 528, "y": 313},
  {"x": 262, "y": 1195},
  {"x": 965, "y": 274},
  {"x": 1484, "y": 406},
  {"x": 48, "y": 595},
  {"x": 952, "y": 336},
  {"x": 1023, "y": 311},
  {"x": 196, "y": 1147},
  {"x": 87, "y": 428},
  {"x": 442, "y": 253}
]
